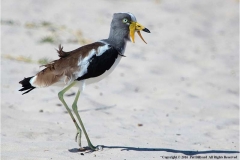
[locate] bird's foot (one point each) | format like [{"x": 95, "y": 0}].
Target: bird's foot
[
  {"x": 78, "y": 137},
  {"x": 91, "y": 149},
  {"x": 99, "y": 148}
]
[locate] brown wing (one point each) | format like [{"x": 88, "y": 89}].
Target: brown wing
[{"x": 63, "y": 67}]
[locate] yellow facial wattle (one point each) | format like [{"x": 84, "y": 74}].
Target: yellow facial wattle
[{"x": 132, "y": 28}]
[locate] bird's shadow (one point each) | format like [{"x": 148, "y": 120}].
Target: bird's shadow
[{"x": 185, "y": 152}]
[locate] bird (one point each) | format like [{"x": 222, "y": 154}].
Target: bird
[{"x": 86, "y": 65}]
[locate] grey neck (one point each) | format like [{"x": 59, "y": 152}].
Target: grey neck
[{"x": 118, "y": 40}]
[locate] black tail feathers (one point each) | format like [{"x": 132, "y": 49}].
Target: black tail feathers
[{"x": 26, "y": 85}]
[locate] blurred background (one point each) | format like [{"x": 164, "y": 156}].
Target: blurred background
[{"x": 181, "y": 88}]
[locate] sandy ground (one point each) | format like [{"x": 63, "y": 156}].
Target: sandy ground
[{"x": 175, "y": 96}]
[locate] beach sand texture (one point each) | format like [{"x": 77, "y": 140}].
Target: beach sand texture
[{"x": 175, "y": 96}]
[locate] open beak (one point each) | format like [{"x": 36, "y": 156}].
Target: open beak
[{"x": 134, "y": 26}]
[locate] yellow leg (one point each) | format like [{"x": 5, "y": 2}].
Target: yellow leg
[
  {"x": 60, "y": 95},
  {"x": 75, "y": 110}
]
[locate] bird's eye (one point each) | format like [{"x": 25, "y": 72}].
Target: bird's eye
[{"x": 125, "y": 20}]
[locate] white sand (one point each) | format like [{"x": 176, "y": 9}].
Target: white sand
[{"x": 182, "y": 86}]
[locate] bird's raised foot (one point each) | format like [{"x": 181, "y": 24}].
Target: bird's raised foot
[{"x": 78, "y": 137}]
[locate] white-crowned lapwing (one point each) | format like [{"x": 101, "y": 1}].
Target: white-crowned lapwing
[{"x": 87, "y": 64}]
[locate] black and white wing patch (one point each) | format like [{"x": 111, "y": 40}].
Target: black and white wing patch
[{"x": 98, "y": 64}]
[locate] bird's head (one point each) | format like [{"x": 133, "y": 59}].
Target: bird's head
[{"x": 126, "y": 24}]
